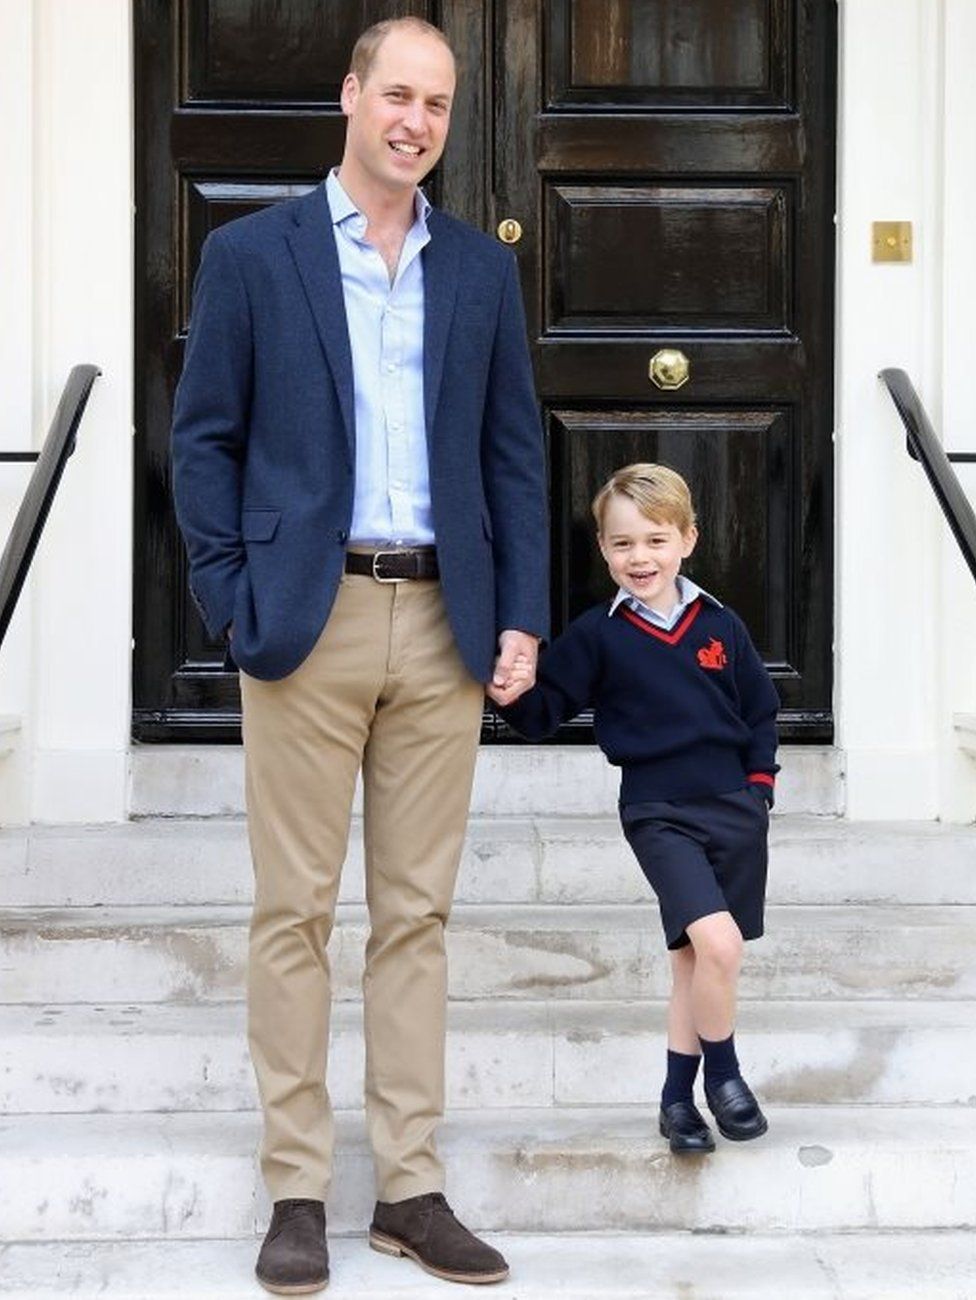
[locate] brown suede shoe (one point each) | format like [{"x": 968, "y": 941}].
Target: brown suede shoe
[
  {"x": 424, "y": 1227},
  {"x": 294, "y": 1258}
]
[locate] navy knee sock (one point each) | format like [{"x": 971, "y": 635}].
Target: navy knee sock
[
  {"x": 721, "y": 1062},
  {"x": 682, "y": 1071}
]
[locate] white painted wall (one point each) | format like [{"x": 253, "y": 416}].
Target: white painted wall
[
  {"x": 18, "y": 426},
  {"x": 65, "y": 70},
  {"x": 906, "y": 607},
  {"x": 958, "y": 376}
]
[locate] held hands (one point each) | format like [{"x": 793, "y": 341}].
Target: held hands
[{"x": 514, "y": 668}]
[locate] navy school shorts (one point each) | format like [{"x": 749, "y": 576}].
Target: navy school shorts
[{"x": 702, "y": 856}]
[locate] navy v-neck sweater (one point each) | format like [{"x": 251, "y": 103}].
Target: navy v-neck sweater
[{"x": 685, "y": 713}]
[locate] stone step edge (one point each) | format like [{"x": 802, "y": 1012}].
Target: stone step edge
[
  {"x": 528, "y": 1010},
  {"x": 206, "y": 780},
  {"x": 848, "y": 1126},
  {"x": 185, "y": 1176},
  {"x": 170, "y": 1058},
  {"x": 522, "y": 860},
  {"x": 814, "y": 825},
  {"x": 581, "y": 916},
  {"x": 571, "y": 1266}
]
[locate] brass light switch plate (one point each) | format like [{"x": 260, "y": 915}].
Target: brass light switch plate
[{"x": 891, "y": 241}]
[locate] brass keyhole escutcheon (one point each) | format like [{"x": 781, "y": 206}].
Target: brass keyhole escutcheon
[
  {"x": 509, "y": 231},
  {"x": 669, "y": 368}
]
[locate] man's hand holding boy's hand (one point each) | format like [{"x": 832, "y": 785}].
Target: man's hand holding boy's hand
[{"x": 514, "y": 668}]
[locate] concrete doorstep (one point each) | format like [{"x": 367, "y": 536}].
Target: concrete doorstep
[
  {"x": 666, "y": 1266},
  {"x": 522, "y": 953},
  {"x": 606, "y": 1169},
  {"x": 530, "y": 860},
  {"x": 511, "y": 780},
  {"x": 127, "y": 1110},
  {"x": 165, "y": 1057}
]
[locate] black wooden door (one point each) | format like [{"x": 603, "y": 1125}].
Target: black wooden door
[{"x": 670, "y": 163}]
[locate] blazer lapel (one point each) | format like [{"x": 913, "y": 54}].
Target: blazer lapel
[
  {"x": 441, "y": 265},
  {"x": 312, "y": 241}
]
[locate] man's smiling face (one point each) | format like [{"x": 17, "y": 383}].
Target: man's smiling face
[{"x": 399, "y": 116}]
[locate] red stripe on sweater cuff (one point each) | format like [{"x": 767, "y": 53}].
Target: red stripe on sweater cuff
[{"x": 762, "y": 778}]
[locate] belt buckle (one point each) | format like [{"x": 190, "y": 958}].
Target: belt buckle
[{"x": 376, "y": 576}]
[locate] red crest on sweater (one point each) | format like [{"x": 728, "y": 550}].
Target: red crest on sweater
[{"x": 713, "y": 655}]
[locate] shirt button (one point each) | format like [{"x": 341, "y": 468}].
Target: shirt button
[{"x": 391, "y": 367}]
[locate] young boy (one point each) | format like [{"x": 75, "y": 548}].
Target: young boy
[{"x": 683, "y": 704}]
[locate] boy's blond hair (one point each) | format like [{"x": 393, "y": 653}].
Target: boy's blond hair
[
  {"x": 658, "y": 493},
  {"x": 367, "y": 46}
]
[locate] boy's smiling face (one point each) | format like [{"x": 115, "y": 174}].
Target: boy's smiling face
[{"x": 644, "y": 555}]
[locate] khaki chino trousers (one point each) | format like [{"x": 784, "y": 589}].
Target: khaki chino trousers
[{"x": 384, "y": 690}]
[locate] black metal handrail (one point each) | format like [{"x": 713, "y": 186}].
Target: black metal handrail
[
  {"x": 32, "y": 515},
  {"x": 925, "y": 447}
]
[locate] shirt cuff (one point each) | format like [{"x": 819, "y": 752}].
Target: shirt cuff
[{"x": 764, "y": 784}]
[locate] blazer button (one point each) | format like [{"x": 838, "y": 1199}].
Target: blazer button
[{"x": 342, "y": 536}]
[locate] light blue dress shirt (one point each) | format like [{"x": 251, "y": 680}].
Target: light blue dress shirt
[
  {"x": 391, "y": 503},
  {"x": 688, "y": 591}
]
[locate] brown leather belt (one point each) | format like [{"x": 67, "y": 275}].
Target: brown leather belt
[{"x": 400, "y": 565}]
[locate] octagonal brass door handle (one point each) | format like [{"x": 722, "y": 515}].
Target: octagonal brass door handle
[
  {"x": 509, "y": 231},
  {"x": 669, "y": 369}
]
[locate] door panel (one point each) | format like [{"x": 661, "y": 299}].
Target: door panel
[
  {"x": 674, "y": 175},
  {"x": 647, "y": 258},
  {"x": 671, "y": 165},
  {"x": 249, "y": 51},
  {"x": 651, "y": 53}
]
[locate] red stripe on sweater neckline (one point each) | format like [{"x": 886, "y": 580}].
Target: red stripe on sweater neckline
[{"x": 670, "y": 638}]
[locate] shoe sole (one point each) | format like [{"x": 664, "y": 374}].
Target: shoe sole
[
  {"x": 390, "y": 1246},
  {"x": 685, "y": 1151},
  {"x": 302, "y": 1288}
]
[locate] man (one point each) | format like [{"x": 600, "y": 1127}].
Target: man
[{"x": 359, "y": 479}]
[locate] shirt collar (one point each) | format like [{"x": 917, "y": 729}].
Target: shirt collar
[
  {"x": 343, "y": 209},
  {"x": 688, "y": 591}
]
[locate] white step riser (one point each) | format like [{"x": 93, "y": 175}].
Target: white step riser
[
  {"x": 522, "y": 954},
  {"x": 565, "y": 860},
  {"x": 657, "y": 1266},
  {"x": 120, "y": 1059},
  {"x": 510, "y": 781},
  {"x": 194, "y": 1177}
]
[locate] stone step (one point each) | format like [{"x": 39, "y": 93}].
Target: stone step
[
  {"x": 117, "y": 1057},
  {"x": 193, "y": 862},
  {"x": 652, "y": 1266},
  {"x": 190, "y": 954},
  {"x": 194, "y": 1176},
  {"x": 515, "y": 780}
]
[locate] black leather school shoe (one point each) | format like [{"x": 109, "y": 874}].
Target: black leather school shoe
[
  {"x": 685, "y": 1128},
  {"x": 736, "y": 1111}
]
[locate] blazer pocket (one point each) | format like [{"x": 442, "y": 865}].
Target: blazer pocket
[{"x": 259, "y": 525}]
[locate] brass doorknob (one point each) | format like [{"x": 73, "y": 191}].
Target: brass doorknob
[
  {"x": 669, "y": 368},
  {"x": 509, "y": 231}
]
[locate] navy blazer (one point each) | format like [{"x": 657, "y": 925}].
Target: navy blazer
[{"x": 264, "y": 429}]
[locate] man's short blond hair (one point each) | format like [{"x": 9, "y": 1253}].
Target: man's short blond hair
[
  {"x": 658, "y": 493},
  {"x": 366, "y": 48}
]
